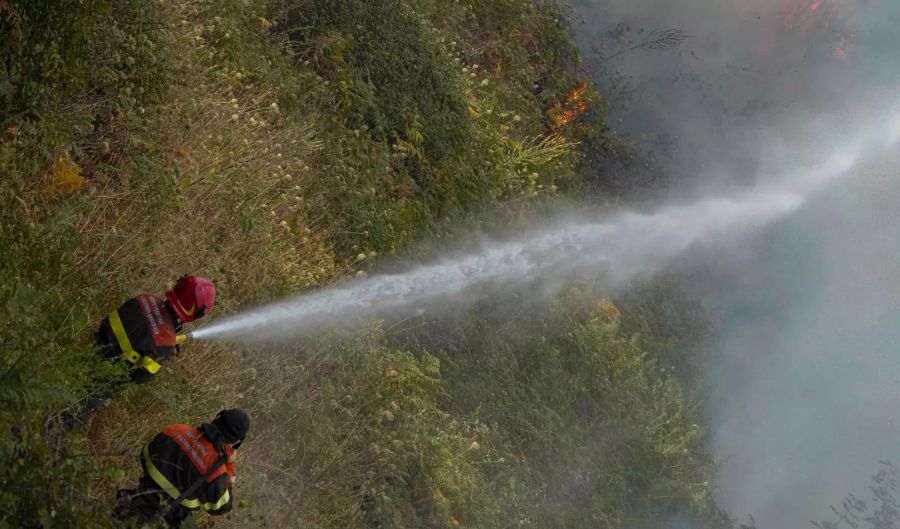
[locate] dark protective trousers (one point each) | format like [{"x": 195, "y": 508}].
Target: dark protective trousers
[
  {"x": 104, "y": 389},
  {"x": 148, "y": 504}
]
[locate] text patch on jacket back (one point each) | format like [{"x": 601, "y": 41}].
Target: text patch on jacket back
[{"x": 161, "y": 326}]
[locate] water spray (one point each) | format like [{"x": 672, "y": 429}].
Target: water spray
[{"x": 623, "y": 247}]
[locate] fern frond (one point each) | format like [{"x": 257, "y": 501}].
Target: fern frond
[{"x": 18, "y": 393}]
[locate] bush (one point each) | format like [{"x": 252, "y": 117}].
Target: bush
[
  {"x": 43, "y": 482},
  {"x": 105, "y": 51},
  {"x": 591, "y": 430},
  {"x": 398, "y": 80}
]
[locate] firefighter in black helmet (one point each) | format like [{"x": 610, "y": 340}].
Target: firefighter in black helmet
[{"x": 187, "y": 468}]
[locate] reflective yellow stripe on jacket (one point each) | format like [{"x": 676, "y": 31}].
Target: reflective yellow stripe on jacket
[
  {"x": 128, "y": 352},
  {"x": 150, "y": 364},
  {"x": 170, "y": 489},
  {"x": 164, "y": 483}
]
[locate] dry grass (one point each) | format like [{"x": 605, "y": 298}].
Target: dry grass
[{"x": 243, "y": 215}]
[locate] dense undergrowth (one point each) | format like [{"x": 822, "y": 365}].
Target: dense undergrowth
[{"x": 278, "y": 146}]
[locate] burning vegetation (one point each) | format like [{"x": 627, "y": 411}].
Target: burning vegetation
[
  {"x": 810, "y": 19},
  {"x": 565, "y": 112},
  {"x": 814, "y": 14}
]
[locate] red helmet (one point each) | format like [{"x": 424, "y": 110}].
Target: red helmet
[{"x": 192, "y": 297}]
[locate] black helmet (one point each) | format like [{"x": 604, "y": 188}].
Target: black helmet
[{"x": 233, "y": 424}]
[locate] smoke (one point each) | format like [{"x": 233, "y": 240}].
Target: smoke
[
  {"x": 756, "y": 75},
  {"x": 805, "y": 382}
]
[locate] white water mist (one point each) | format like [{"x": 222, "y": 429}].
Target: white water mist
[{"x": 624, "y": 246}]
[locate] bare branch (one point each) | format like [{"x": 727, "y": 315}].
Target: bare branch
[{"x": 657, "y": 40}]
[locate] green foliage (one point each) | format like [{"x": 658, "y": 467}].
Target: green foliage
[
  {"x": 72, "y": 70},
  {"x": 669, "y": 319},
  {"x": 588, "y": 430},
  {"x": 43, "y": 372},
  {"x": 398, "y": 81},
  {"x": 436, "y": 102},
  {"x": 36, "y": 356},
  {"x": 397, "y": 89},
  {"x": 506, "y": 414},
  {"x": 392, "y": 457},
  {"x": 16, "y": 392},
  {"x": 276, "y": 146},
  {"x": 107, "y": 50},
  {"x": 40, "y": 40}
]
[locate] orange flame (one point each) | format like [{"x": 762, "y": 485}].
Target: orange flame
[
  {"x": 797, "y": 13},
  {"x": 562, "y": 115},
  {"x": 805, "y": 18},
  {"x": 844, "y": 41}
]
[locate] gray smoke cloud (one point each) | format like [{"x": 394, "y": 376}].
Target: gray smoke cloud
[
  {"x": 806, "y": 378},
  {"x": 755, "y": 73}
]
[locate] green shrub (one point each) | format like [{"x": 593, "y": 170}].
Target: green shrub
[
  {"x": 594, "y": 432},
  {"x": 106, "y": 52},
  {"x": 42, "y": 372},
  {"x": 399, "y": 81}
]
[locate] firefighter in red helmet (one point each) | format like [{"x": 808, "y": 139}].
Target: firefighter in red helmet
[
  {"x": 143, "y": 333},
  {"x": 191, "y": 298}
]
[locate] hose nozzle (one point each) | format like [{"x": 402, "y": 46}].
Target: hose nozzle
[{"x": 181, "y": 338}]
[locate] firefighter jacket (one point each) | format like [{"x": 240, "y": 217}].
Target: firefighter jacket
[
  {"x": 142, "y": 332},
  {"x": 180, "y": 456}
]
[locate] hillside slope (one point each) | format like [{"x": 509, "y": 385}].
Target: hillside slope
[{"x": 280, "y": 146}]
